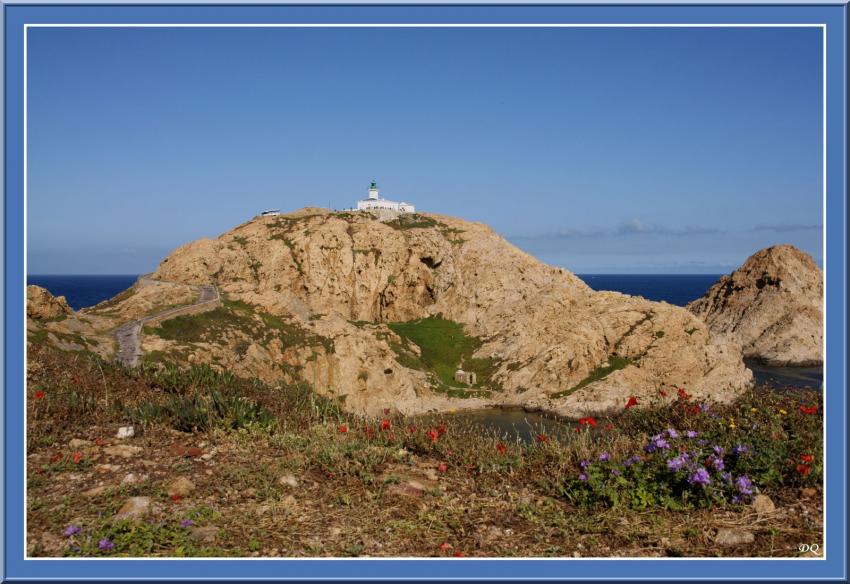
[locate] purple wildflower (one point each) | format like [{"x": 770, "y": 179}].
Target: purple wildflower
[
  {"x": 716, "y": 462},
  {"x": 745, "y": 485},
  {"x": 726, "y": 476},
  {"x": 631, "y": 461},
  {"x": 704, "y": 408},
  {"x": 582, "y": 477},
  {"x": 739, "y": 450},
  {"x": 700, "y": 477},
  {"x": 604, "y": 457},
  {"x": 671, "y": 432},
  {"x": 616, "y": 472},
  {"x": 676, "y": 463},
  {"x": 71, "y": 530},
  {"x": 662, "y": 443},
  {"x": 691, "y": 434},
  {"x": 105, "y": 544},
  {"x": 584, "y": 464},
  {"x": 719, "y": 450},
  {"x": 187, "y": 523}
]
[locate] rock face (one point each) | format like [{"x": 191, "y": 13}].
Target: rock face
[
  {"x": 41, "y": 304},
  {"x": 327, "y": 284},
  {"x": 772, "y": 305}
]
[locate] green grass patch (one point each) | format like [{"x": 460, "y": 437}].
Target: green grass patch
[
  {"x": 413, "y": 221},
  {"x": 444, "y": 346},
  {"x": 614, "y": 363}
]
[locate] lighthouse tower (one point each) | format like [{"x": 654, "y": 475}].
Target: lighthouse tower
[
  {"x": 375, "y": 203},
  {"x": 373, "y": 191}
]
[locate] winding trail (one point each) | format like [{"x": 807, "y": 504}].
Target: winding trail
[{"x": 128, "y": 335}]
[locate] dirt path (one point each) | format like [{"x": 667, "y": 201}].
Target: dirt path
[{"x": 128, "y": 335}]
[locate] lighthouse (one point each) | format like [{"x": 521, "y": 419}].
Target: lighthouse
[
  {"x": 373, "y": 191},
  {"x": 374, "y": 202}
]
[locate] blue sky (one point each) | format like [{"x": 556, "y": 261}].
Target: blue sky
[{"x": 600, "y": 150}]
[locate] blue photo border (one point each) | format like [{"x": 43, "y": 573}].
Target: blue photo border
[{"x": 16, "y": 567}]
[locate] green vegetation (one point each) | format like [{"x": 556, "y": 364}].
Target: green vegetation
[
  {"x": 413, "y": 221},
  {"x": 444, "y": 346},
  {"x": 594, "y": 489},
  {"x": 614, "y": 363},
  {"x": 235, "y": 315}
]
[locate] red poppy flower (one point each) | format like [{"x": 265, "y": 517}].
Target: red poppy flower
[
  {"x": 343, "y": 429},
  {"x": 442, "y": 467},
  {"x": 694, "y": 410},
  {"x": 411, "y": 429},
  {"x": 56, "y": 458},
  {"x": 78, "y": 456},
  {"x": 445, "y": 546},
  {"x": 632, "y": 402},
  {"x": 804, "y": 469},
  {"x": 809, "y": 410},
  {"x": 459, "y": 555},
  {"x": 501, "y": 448},
  {"x": 175, "y": 497},
  {"x": 588, "y": 421},
  {"x": 386, "y": 411},
  {"x": 385, "y": 424},
  {"x": 39, "y": 394},
  {"x": 682, "y": 393},
  {"x": 441, "y": 429},
  {"x": 433, "y": 435},
  {"x": 609, "y": 427},
  {"x": 663, "y": 393},
  {"x": 807, "y": 457},
  {"x": 98, "y": 441},
  {"x": 542, "y": 438}
]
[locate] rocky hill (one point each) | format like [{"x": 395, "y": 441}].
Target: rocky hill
[
  {"x": 380, "y": 314},
  {"x": 772, "y": 305}
]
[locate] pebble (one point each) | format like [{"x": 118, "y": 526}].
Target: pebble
[
  {"x": 126, "y": 432},
  {"x": 763, "y": 505},
  {"x": 808, "y": 492},
  {"x": 123, "y": 450},
  {"x": 204, "y": 534},
  {"x": 132, "y": 478},
  {"x": 79, "y": 443},
  {"x": 727, "y": 536},
  {"x": 95, "y": 491},
  {"x": 133, "y": 507},
  {"x": 288, "y": 480},
  {"x": 180, "y": 487},
  {"x": 107, "y": 467}
]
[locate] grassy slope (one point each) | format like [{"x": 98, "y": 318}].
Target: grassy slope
[{"x": 444, "y": 346}]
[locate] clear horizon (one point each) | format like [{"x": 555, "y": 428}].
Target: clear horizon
[{"x": 604, "y": 151}]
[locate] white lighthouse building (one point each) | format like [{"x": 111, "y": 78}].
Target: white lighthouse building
[{"x": 375, "y": 202}]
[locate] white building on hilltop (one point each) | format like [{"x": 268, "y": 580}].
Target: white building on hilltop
[{"x": 376, "y": 202}]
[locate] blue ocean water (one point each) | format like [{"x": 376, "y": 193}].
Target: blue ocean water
[
  {"x": 87, "y": 290},
  {"x": 83, "y": 291},
  {"x": 675, "y": 289}
]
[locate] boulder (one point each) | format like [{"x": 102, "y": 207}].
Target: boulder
[{"x": 41, "y": 304}]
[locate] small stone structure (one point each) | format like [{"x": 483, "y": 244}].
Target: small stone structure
[{"x": 466, "y": 377}]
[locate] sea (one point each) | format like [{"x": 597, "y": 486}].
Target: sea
[{"x": 87, "y": 290}]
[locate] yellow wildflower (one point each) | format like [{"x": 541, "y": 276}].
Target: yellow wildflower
[
  {"x": 754, "y": 410},
  {"x": 783, "y": 412}
]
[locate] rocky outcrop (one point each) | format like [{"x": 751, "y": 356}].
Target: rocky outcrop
[
  {"x": 772, "y": 305},
  {"x": 41, "y": 304},
  {"x": 333, "y": 282}
]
